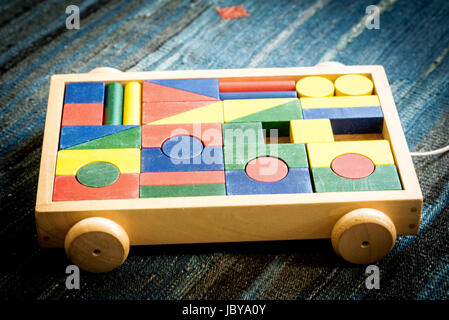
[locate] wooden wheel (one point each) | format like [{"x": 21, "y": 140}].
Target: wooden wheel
[
  {"x": 97, "y": 245},
  {"x": 104, "y": 70},
  {"x": 363, "y": 236}
]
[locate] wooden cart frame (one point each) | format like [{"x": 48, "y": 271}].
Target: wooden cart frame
[{"x": 153, "y": 221}]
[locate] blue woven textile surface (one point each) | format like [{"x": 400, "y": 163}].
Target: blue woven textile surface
[{"x": 412, "y": 44}]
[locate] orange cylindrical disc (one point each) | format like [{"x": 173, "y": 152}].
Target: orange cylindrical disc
[
  {"x": 352, "y": 166},
  {"x": 266, "y": 169}
]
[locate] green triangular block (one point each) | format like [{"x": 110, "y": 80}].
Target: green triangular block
[
  {"x": 130, "y": 138},
  {"x": 276, "y": 118}
]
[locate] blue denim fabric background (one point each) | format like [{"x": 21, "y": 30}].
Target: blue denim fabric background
[{"x": 412, "y": 44}]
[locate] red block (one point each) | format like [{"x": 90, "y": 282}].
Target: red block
[
  {"x": 82, "y": 114},
  {"x": 251, "y": 86},
  {"x": 153, "y": 111},
  {"x": 352, "y": 166},
  {"x": 181, "y": 178},
  {"x": 153, "y": 92},
  {"x": 67, "y": 188},
  {"x": 267, "y": 169},
  {"x": 153, "y": 136}
]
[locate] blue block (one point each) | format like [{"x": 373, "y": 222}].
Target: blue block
[
  {"x": 257, "y": 95},
  {"x": 297, "y": 181},
  {"x": 154, "y": 160},
  {"x": 72, "y": 136},
  {"x": 206, "y": 87},
  {"x": 349, "y": 120},
  {"x": 85, "y": 92}
]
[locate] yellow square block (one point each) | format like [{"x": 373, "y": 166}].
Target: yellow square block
[
  {"x": 70, "y": 161},
  {"x": 322, "y": 154},
  {"x": 311, "y": 130}
]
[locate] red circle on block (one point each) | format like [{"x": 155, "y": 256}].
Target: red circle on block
[
  {"x": 352, "y": 166},
  {"x": 266, "y": 169}
]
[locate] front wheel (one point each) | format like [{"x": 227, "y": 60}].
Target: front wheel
[{"x": 363, "y": 236}]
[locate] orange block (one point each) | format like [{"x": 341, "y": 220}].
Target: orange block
[
  {"x": 181, "y": 178},
  {"x": 154, "y": 136},
  {"x": 82, "y": 114},
  {"x": 67, "y": 188}
]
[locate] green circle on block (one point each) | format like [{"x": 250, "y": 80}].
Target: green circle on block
[{"x": 98, "y": 174}]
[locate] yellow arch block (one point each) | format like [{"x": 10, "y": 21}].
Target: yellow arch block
[
  {"x": 211, "y": 113},
  {"x": 311, "y": 130},
  {"x": 234, "y": 109},
  {"x": 340, "y": 102},
  {"x": 70, "y": 161},
  {"x": 322, "y": 154}
]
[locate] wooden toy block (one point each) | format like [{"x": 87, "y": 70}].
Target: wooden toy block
[
  {"x": 188, "y": 190},
  {"x": 132, "y": 103},
  {"x": 353, "y": 85},
  {"x": 384, "y": 177},
  {"x": 210, "y": 134},
  {"x": 307, "y": 131},
  {"x": 350, "y": 120},
  {"x": 266, "y": 169},
  {"x": 181, "y": 178},
  {"x": 67, "y": 188},
  {"x": 98, "y": 174},
  {"x": 209, "y": 113},
  {"x": 340, "y": 102},
  {"x": 84, "y": 92},
  {"x": 100, "y": 137},
  {"x": 235, "y": 133},
  {"x": 296, "y": 181},
  {"x": 236, "y": 109},
  {"x": 315, "y": 86},
  {"x": 257, "y": 95},
  {"x": 322, "y": 154},
  {"x": 237, "y": 156},
  {"x": 352, "y": 166},
  {"x": 155, "y": 160},
  {"x": 251, "y": 86},
  {"x": 82, "y": 114},
  {"x": 180, "y": 90},
  {"x": 113, "y": 112},
  {"x": 154, "y": 111},
  {"x": 70, "y": 161}
]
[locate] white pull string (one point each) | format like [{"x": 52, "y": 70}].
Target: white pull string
[{"x": 430, "y": 153}]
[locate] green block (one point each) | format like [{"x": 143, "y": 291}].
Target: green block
[
  {"x": 237, "y": 156},
  {"x": 384, "y": 177},
  {"x": 190, "y": 190},
  {"x": 276, "y": 118},
  {"x": 98, "y": 174},
  {"x": 114, "y": 104},
  {"x": 130, "y": 138},
  {"x": 242, "y": 133}
]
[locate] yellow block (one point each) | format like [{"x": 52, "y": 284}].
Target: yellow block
[
  {"x": 315, "y": 86},
  {"x": 353, "y": 85},
  {"x": 313, "y": 130},
  {"x": 322, "y": 154},
  {"x": 234, "y": 109},
  {"x": 211, "y": 113},
  {"x": 70, "y": 161},
  {"x": 132, "y": 103},
  {"x": 340, "y": 102}
]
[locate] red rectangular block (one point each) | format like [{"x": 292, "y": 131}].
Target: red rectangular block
[
  {"x": 82, "y": 114},
  {"x": 181, "y": 178},
  {"x": 251, "y": 86},
  {"x": 153, "y": 136},
  {"x": 67, "y": 188}
]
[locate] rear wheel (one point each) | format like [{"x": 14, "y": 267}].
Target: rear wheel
[
  {"x": 97, "y": 245},
  {"x": 363, "y": 236}
]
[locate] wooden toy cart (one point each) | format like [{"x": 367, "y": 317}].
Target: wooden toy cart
[{"x": 97, "y": 234}]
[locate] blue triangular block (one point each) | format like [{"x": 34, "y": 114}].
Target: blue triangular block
[
  {"x": 72, "y": 136},
  {"x": 206, "y": 87}
]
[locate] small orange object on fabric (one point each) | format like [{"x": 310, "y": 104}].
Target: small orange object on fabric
[{"x": 234, "y": 12}]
